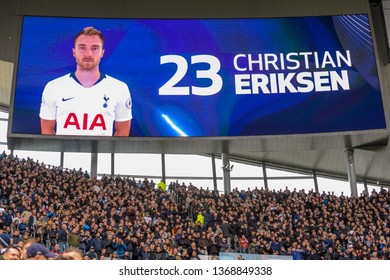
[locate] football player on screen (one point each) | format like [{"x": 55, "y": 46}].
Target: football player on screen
[{"x": 87, "y": 101}]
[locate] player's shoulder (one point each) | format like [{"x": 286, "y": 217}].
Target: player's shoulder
[
  {"x": 60, "y": 80},
  {"x": 112, "y": 80}
]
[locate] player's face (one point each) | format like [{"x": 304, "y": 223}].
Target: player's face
[{"x": 88, "y": 51}]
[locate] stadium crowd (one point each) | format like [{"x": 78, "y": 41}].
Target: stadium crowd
[{"x": 53, "y": 212}]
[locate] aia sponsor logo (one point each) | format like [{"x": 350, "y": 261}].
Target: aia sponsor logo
[{"x": 85, "y": 121}]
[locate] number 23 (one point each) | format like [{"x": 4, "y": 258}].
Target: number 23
[{"x": 170, "y": 88}]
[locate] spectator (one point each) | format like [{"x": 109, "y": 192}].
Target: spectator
[
  {"x": 5, "y": 241},
  {"x": 72, "y": 253},
  {"x": 200, "y": 219},
  {"x": 155, "y": 224},
  {"x": 194, "y": 256},
  {"x": 25, "y": 246},
  {"x": 74, "y": 239},
  {"x": 56, "y": 250},
  {"x": 12, "y": 253},
  {"x": 244, "y": 244},
  {"x": 120, "y": 247},
  {"x": 227, "y": 232},
  {"x": 63, "y": 237},
  {"x": 37, "y": 251},
  {"x": 253, "y": 246},
  {"x": 213, "y": 247},
  {"x": 91, "y": 254},
  {"x": 161, "y": 186}
]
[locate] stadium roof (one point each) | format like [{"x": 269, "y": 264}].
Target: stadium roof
[{"x": 324, "y": 153}]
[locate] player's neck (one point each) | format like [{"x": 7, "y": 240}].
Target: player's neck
[{"x": 88, "y": 78}]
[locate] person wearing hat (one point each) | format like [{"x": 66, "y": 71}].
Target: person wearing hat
[
  {"x": 92, "y": 254},
  {"x": 4, "y": 243},
  {"x": 38, "y": 251}
]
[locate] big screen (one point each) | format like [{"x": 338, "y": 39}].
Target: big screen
[{"x": 212, "y": 77}]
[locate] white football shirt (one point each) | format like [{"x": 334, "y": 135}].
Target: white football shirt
[{"x": 85, "y": 111}]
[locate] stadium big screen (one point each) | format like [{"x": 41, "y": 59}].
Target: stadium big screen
[{"x": 212, "y": 77}]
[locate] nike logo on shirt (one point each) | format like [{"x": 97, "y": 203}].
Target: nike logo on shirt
[{"x": 66, "y": 99}]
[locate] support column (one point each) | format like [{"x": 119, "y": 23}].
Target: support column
[
  {"x": 265, "y": 178},
  {"x": 112, "y": 164},
  {"x": 163, "y": 168},
  {"x": 214, "y": 172},
  {"x": 315, "y": 182},
  {"x": 226, "y": 173},
  {"x": 94, "y": 160},
  {"x": 351, "y": 172},
  {"x": 365, "y": 187},
  {"x": 62, "y": 156}
]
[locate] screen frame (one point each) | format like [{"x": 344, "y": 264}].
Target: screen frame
[{"x": 162, "y": 140}]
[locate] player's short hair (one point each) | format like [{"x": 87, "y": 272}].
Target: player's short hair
[{"x": 90, "y": 31}]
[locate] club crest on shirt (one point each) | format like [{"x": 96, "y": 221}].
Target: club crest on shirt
[{"x": 105, "y": 101}]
